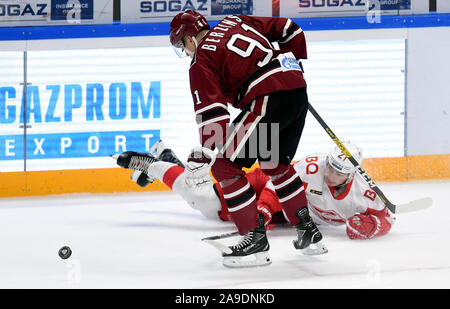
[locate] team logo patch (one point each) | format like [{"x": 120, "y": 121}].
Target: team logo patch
[{"x": 288, "y": 62}]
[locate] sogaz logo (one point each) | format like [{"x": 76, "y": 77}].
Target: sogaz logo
[
  {"x": 173, "y": 6},
  {"x": 24, "y": 9},
  {"x": 382, "y": 4},
  {"x": 330, "y": 3}
]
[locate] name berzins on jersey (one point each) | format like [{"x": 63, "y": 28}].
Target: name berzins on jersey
[{"x": 219, "y": 32}]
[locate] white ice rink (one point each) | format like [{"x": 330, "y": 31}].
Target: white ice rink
[{"x": 152, "y": 240}]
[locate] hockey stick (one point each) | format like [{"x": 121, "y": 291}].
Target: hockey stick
[
  {"x": 219, "y": 246},
  {"x": 402, "y": 208},
  {"x": 221, "y": 236}
]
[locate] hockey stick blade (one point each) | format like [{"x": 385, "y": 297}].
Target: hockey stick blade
[
  {"x": 219, "y": 246},
  {"x": 415, "y": 205},
  {"x": 221, "y": 236}
]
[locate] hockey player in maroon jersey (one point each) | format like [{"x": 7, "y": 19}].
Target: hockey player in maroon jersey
[
  {"x": 336, "y": 194},
  {"x": 236, "y": 63}
]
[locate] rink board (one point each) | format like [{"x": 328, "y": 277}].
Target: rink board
[{"x": 109, "y": 180}]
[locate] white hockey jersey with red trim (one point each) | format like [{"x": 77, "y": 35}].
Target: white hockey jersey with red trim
[{"x": 326, "y": 204}]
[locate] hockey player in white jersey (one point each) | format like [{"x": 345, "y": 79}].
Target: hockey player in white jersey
[
  {"x": 192, "y": 181},
  {"x": 336, "y": 194}
]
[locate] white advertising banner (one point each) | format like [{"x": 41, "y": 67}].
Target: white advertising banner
[
  {"x": 330, "y": 8},
  {"x": 142, "y": 11},
  {"x": 84, "y": 105},
  {"x": 15, "y": 13}
]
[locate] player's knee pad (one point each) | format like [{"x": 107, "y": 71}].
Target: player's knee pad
[{"x": 274, "y": 171}]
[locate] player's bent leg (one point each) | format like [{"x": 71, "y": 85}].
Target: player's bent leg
[
  {"x": 291, "y": 194},
  {"x": 165, "y": 172},
  {"x": 202, "y": 198},
  {"x": 289, "y": 190},
  {"x": 240, "y": 198},
  {"x": 239, "y": 195}
]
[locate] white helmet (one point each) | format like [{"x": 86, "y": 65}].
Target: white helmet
[{"x": 337, "y": 159}]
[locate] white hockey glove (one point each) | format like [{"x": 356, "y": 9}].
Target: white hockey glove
[{"x": 198, "y": 165}]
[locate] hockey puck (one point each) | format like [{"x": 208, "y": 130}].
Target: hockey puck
[{"x": 65, "y": 252}]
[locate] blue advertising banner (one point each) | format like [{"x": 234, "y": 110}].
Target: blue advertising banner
[
  {"x": 76, "y": 9},
  {"x": 230, "y": 7},
  {"x": 395, "y": 4},
  {"x": 76, "y": 145},
  {"x": 78, "y": 103}
]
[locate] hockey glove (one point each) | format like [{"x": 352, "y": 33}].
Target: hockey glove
[
  {"x": 198, "y": 165},
  {"x": 363, "y": 226}
]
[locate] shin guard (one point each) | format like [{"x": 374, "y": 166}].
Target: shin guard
[
  {"x": 290, "y": 191},
  {"x": 239, "y": 195}
]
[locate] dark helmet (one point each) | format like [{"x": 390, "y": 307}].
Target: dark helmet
[{"x": 186, "y": 23}]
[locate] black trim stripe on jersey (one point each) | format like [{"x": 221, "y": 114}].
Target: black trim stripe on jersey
[
  {"x": 210, "y": 114},
  {"x": 255, "y": 75},
  {"x": 293, "y": 27}
]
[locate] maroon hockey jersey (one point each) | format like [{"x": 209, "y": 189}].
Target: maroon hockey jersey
[{"x": 236, "y": 62}]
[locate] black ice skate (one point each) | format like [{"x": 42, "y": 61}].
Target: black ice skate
[
  {"x": 309, "y": 236},
  {"x": 165, "y": 154},
  {"x": 161, "y": 153},
  {"x": 135, "y": 160},
  {"x": 252, "y": 250},
  {"x": 141, "y": 178}
]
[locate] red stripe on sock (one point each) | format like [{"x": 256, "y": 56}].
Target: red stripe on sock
[{"x": 172, "y": 174}]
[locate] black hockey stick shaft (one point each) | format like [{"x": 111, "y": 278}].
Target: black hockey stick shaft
[
  {"x": 347, "y": 153},
  {"x": 221, "y": 236}
]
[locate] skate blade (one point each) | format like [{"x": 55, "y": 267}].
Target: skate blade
[
  {"x": 253, "y": 260},
  {"x": 135, "y": 175},
  {"x": 157, "y": 148},
  {"x": 315, "y": 249},
  {"x": 115, "y": 156}
]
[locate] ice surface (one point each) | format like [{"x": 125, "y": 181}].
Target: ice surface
[{"x": 152, "y": 240}]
